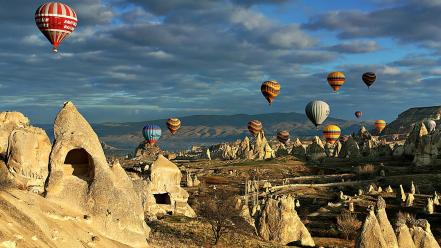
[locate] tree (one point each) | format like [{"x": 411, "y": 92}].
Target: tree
[
  {"x": 220, "y": 212},
  {"x": 348, "y": 224}
]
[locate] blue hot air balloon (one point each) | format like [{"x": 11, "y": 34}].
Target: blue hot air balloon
[{"x": 151, "y": 133}]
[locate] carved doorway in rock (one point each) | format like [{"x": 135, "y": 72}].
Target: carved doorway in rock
[
  {"x": 163, "y": 199},
  {"x": 79, "y": 163}
]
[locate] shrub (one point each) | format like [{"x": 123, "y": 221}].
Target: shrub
[
  {"x": 348, "y": 224},
  {"x": 366, "y": 170}
]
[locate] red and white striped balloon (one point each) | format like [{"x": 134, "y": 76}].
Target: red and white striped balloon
[{"x": 56, "y": 21}]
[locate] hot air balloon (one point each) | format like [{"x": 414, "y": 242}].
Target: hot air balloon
[
  {"x": 173, "y": 124},
  {"x": 56, "y": 21},
  {"x": 380, "y": 125},
  {"x": 430, "y": 125},
  {"x": 255, "y": 127},
  {"x": 317, "y": 112},
  {"x": 151, "y": 133},
  {"x": 270, "y": 89},
  {"x": 283, "y": 136},
  {"x": 336, "y": 79},
  {"x": 331, "y": 133},
  {"x": 369, "y": 78},
  {"x": 358, "y": 114}
]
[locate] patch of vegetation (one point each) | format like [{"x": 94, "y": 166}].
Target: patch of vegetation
[{"x": 348, "y": 224}]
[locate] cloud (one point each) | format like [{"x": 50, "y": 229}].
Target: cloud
[{"x": 356, "y": 47}]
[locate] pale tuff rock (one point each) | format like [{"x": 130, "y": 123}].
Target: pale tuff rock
[
  {"x": 298, "y": 150},
  {"x": 409, "y": 200},
  {"x": 316, "y": 150},
  {"x": 385, "y": 226},
  {"x": 422, "y": 235},
  {"x": 360, "y": 192},
  {"x": 207, "y": 154},
  {"x": 28, "y": 157},
  {"x": 429, "y": 206},
  {"x": 351, "y": 207},
  {"x": 371, "y": 235},
  {"x": 280, "y": 223},
  {"x": 418, "y": 145},
  {"x": 261, "y": 148},
  {"x": 402, "y": 193},
  {"x": 435, "y": 199},
  {"x": 412, "y": 188},
  {"x": 196, "y": 181},
  {"x": 189, "y": 180},
  {"x": 146, "y": 151},
  {"x": 245, "y": 214},
  {"x": 9, "y": 121},
  {"x": 371, "y": 189},
  {"x": 80, "y": 178},
  {"x": 162, "y": 193},
  {"x": 363, "y": 134},
  {"x": 404, "y": 237},
  {"x": 337, "y": 149},
  {"x": 379, "y": 190},
  {"x": 350, "y": 149},
  {"x": 389, "y": 189}
]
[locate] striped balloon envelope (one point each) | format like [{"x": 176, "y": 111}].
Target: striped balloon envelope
[
  {"x": 151, "y": 133},
  {"x": 56, "y": 21},
  {"x": 270, "y": 90},
  {"x": 255, "y": 127},
  {"x": 283, "y": 137},
  {"x": 173, "y": 124},
  {"x": 380, "y": 125},
  {"x": 336, "y": 79},
  {"x": 331, "y": 133},
  {"x": 317, "y": 112},
  {"x": 369, "y": 78}
]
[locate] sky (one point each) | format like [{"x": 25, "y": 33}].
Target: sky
[{"x": 135, "y": 60}]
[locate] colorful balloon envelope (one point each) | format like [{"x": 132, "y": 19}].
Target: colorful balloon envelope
[
  {"x": 255, "y": 127},
  {"x": 380, "y": 125},
  {"x": 270, "y": 90},
  {"x": 317, "y": 112},
  {"x": 283, "y": 137},
  {"x": 331, "y": 133},
  {"x": 173, "y": 124},
  {"x": 151, "y": 133},
  {"x": 56, "y": 21},
  {"x": 358, "y": 114},
  {"x": 336, "y": 79},
  {"x": 369, "y": 78}
]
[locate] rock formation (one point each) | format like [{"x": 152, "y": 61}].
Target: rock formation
[
  {"x": 9, "y": 121},
  {"x": 404, "y": 237},
  {"x": 146, "y": 151},
  {"x": 81, "y": 179},
  {"x": 161, "y": 191},
  {"x": 298, "y": 150},
  {"x": 350, "y": 149},
  {"x": 371, "y": 235},
  {"x": 28, "y": 157},
  {"x": 316, "y": 150},
  {"x": 385, "y": 226},
  {"x": 422, "y": 235},
  {"x": 280, "y": 223}
]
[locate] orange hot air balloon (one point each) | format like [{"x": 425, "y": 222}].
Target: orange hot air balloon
[
  {"x": 336, "y": 79},
  {"x": 255, "y": 127},
  {"x": 270, "y": 90},
  {"x": 380, "y": 125},
  {"x": 283, "y": 137},
  {"x": 173, "y": 124},
  {"x": 331, "y": 133}
]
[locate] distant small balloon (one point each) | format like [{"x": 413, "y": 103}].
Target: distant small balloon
[
  {"x": 270, "y": 90},
  {"x": 173, "y": 124},
  {"x": 331, "y": 133},
  {"x": 358, "y": 114},
  {"x": 369, "y": 78},
  {"x": 283, "y": 137},
  {"x": 255, "y": 127},
  {"x": 336, "y": 79}
]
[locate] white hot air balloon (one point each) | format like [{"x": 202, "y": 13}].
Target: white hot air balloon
[{"x": 317, "y": 112}]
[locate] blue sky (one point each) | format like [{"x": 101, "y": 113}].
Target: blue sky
[{"x": 133, "y": 60}]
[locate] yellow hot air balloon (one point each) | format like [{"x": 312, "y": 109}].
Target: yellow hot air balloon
[
  {"x": 331, "y": 133},
  {"x": 270, "y": 90},
  {"x": 380, "y": 125},
  {"x": 336, "y": 79}
]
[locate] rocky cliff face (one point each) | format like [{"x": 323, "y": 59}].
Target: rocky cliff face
[{"x": 412, "y": 116}]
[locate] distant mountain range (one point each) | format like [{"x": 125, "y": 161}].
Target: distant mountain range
[
  {"x": 406, "y": 120},
  {"x": 211, "y": 129}
]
